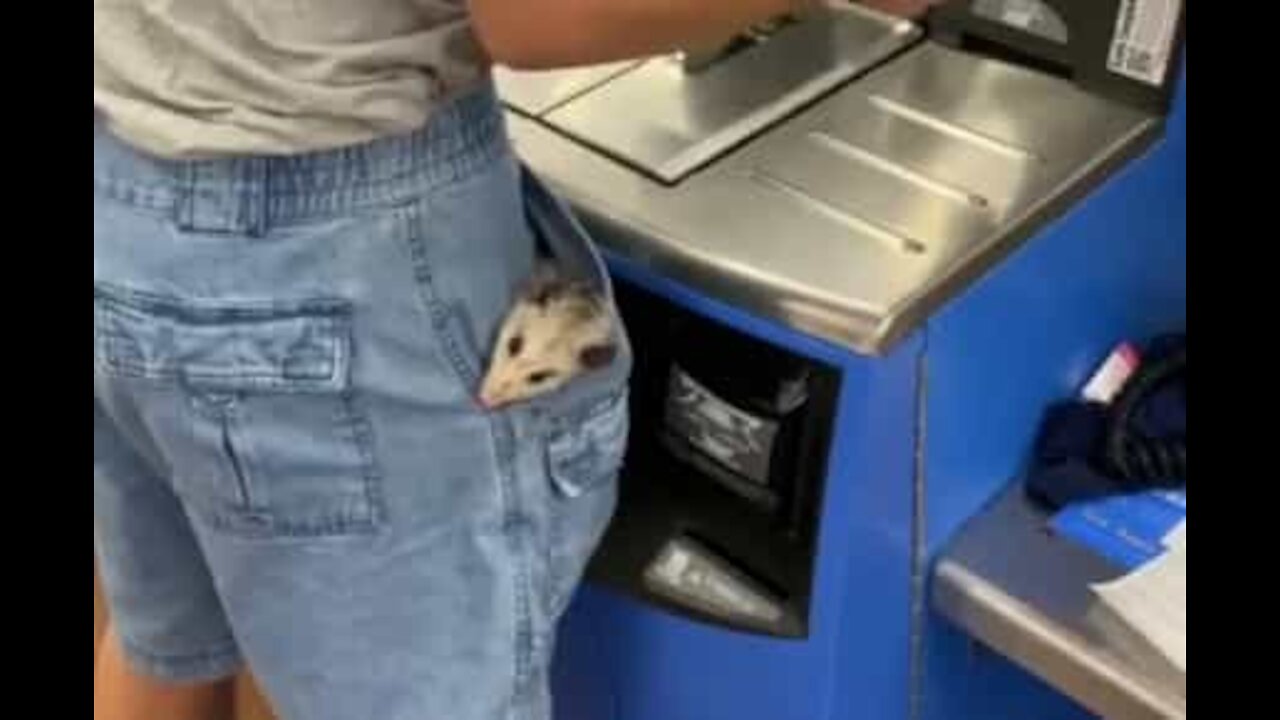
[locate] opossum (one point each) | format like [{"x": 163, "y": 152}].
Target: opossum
[{"x": 557, "y": 329}]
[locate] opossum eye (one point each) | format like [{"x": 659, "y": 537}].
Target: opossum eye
[
  {"x": 515, "y": 345},
  {"x": 597, "y": 356},
  {"x": 537, "y": 378}
]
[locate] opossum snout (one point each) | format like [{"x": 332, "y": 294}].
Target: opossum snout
[
  {"x": 494, "y": 394},
  {"x": 503, "y": 389}
]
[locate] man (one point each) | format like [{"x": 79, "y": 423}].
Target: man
[{"x": 307, "y": 226}]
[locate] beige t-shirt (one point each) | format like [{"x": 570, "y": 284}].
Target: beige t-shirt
[{"x": 195, "y": 78}]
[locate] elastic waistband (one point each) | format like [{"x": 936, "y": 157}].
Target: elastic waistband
[{"x": 249, "y": 195}]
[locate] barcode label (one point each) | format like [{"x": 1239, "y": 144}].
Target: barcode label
[{"x": 1144, "y": 38}]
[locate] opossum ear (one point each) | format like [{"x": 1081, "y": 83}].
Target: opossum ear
[
  {"x": 597, "y": 356},
  {"x": 543, "y": 283}
]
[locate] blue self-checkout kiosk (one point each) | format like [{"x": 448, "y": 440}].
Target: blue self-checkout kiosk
[{"x": 857, "y": 255}]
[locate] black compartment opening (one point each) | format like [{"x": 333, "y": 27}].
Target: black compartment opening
[{"x": 762, "y": 517}]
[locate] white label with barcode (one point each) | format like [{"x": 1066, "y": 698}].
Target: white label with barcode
[{"x": 1144, "y": 38}]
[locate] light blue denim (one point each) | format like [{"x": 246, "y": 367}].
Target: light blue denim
[{"x": 290, "y": 466}]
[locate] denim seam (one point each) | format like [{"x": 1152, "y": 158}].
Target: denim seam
[
  {"x": 362, "y": 435},
  {"x": 437, "y": 310},
  {"x": 221, "y": 660},
  {"x": 502, "y": 431}
]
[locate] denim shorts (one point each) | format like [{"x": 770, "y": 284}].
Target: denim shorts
[{"x": 291, "y": 470}]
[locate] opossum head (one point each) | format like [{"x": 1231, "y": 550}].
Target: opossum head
[{"x": 555, "y": 331}]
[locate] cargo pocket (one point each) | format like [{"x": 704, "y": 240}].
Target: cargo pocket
[
  {"x": 250, "y": 404},
  {"x": 585, "y": 452}
]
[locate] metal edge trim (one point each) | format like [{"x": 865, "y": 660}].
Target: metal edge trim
[
  {"x": 1023, "y": 635},
  {"x": 917, "y": 308}
]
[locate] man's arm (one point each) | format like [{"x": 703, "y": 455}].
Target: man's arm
[{"x": 540, "y": 34}]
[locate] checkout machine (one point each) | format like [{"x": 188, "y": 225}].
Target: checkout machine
[{"x": 858, "y": 255}]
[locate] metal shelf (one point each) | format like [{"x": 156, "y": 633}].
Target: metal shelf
[{"x": 1025, "y": 593}]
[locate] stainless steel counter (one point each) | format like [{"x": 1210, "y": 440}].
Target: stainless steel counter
[
  {"x": 1024, "y": 593},
  {"x": 852, "y": 218}
]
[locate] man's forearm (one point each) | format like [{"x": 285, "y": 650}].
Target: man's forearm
[{"x": 537, "y": 34}]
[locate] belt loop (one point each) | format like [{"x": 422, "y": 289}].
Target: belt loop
[
  {"x": 184, "y": 207},
  {"x": 255, "y": 197}
]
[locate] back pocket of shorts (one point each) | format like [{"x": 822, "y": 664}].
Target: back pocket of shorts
[{"x": 250, "y": 403}]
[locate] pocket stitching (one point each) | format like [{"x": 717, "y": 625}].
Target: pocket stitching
[
  {"x": 265, "y": 523},
  {"x": 603, "y": 424},
  {"x": 443, "y": 318},
  {"x": 128, "y": 305},
  {"x": 612, "y": 413},
  {"x": 351, "y": 426}
]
